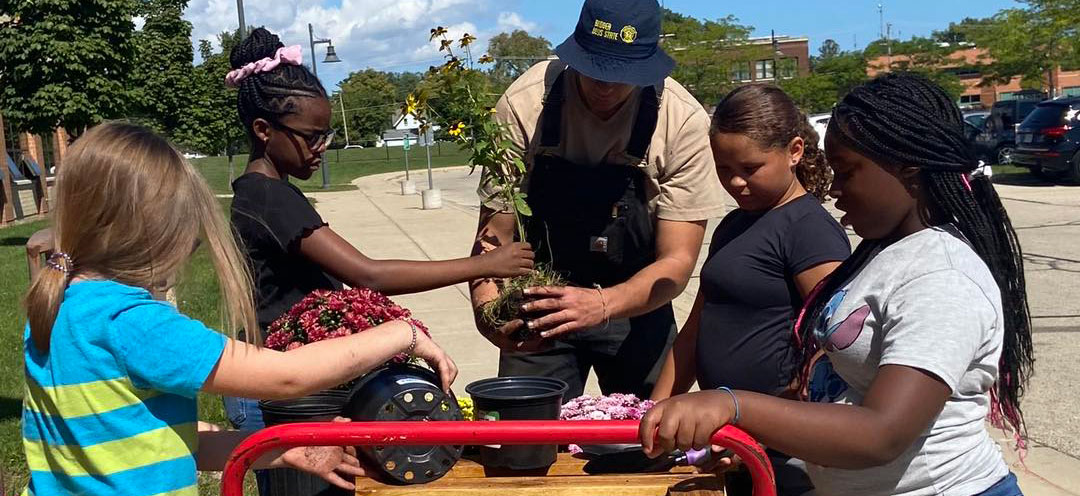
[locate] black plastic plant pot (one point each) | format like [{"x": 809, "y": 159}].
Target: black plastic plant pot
[
  {"x": 404, "y": 392},
  {"x": 517, "y": 398},
  {"x": 319, "y": 407}
]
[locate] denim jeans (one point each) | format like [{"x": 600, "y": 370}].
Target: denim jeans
[
  {"x": 1005, "y": 487},
  {"x": 245, "y": 415}
]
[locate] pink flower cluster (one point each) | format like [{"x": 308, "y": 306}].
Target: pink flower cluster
[
  {"x": 326, "y": 314},
  {"x": 613, "y": 407}
]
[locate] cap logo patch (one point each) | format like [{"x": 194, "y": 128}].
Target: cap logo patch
[{"x": 628, "y": 34}]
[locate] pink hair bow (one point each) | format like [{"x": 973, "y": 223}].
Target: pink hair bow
[{"x": 290, "y": 55}]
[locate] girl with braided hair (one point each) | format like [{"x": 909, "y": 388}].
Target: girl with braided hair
[
  {"x": 765, "y": 258},
  {"x": 924, "y": 329},
  {"x": 292, "y": 251}
]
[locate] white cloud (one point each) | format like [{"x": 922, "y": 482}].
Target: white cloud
[
  {"x": 388, "y": 35},
  {"x": 509, "y": 21}
]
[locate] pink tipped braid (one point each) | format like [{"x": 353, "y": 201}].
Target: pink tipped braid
[
  {"x": 290, "y": 55},
  {"x": 967, "y": 182}
]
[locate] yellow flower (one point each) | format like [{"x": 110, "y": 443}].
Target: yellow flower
[
  {"x": 486, "y": 59},
  {"x": 457, "y": 130},
  {"x": 410, "y": 105},
  {"x": 492, "y": 110}
]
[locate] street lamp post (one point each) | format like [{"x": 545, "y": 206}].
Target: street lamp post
[
  {"x": 331, "y": 57},
  {"x": 775, "y": 64}
]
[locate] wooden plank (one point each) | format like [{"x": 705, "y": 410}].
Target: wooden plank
[
  {"x": 565, "y": 465},
  {"x": 607, "y": 485}
]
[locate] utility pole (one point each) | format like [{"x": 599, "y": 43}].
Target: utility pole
[
  {"x": 344, "y": 118},
  {"x": 888, "y": 43},
  {"x": 240, "y": 14},
  {"x": 881, "y": 17}
]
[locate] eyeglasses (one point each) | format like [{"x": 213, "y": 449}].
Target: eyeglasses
[{"x": 316, "y": 142}]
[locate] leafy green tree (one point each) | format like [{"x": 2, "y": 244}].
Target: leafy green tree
[
  {"x": 514, "y": 53},
  {"x": 706, "y": 52},
  {"x": 957, "y": 32},
  {"x": 210, "y": 124},
  {"x": 815, "y": 93},
  {"x": 369, "y": 100},
  {"x": 404, "y": 83},
  {"x": 65, "y": 62},
  {"x": 829, "y": 49},
  {"x": 845, "y": 71},
  {"x": 162, "y": 76},
  {"x": 1030, "y": 42}
]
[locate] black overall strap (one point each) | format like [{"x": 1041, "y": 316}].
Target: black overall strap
[
  {"x": 640, "y": 136},
  {"x": 644, "y": 124},
  {"x": 551, "y": 122}
]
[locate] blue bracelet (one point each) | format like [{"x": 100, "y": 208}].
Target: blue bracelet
[{"x": 735, "y": 399}]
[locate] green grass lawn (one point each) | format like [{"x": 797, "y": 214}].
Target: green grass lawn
[{"x": 344, "y": 165}]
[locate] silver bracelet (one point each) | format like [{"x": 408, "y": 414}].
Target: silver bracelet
[
  {"x": 735, "y": 399},
  {"x": 412, "y": 345}
]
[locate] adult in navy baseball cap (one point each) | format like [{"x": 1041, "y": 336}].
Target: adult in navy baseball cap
[{"x": 618, "y": 41}]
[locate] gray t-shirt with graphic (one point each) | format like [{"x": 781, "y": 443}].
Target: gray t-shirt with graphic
[{"x": 928, "y": 302}]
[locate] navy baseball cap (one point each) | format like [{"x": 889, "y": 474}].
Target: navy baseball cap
[{"x": 618, "y": 41}]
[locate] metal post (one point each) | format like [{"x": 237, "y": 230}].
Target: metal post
[
  {"x": 405, "y": 147},
  {"x": 427, "y": 146},
  {"x": 240, "y": 14},
  {"x": 311, "y": 41}
]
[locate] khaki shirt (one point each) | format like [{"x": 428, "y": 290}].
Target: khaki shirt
[{"x": 682, "y": 186}]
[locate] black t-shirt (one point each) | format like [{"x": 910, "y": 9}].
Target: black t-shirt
[
  {"x": 270, "y": 217},
  {"x": 750, "y": 297}
]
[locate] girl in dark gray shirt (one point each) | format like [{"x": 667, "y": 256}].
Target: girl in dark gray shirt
[{"x": 765, "y": 257}]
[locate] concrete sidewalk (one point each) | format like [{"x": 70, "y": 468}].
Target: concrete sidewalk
[{"x": 382, "y": 223}]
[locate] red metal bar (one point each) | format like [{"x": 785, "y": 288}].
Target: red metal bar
[{"x": 471, "y": 433}]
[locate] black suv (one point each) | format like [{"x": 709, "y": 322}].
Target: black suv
[
  {"x": 1048, "y": 141},
  {"x": 996, "y": 142}
]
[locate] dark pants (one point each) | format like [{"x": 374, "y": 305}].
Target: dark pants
[
  {"x": 245, "y": 415},
  {"x": 627, "y": 356},
  {"x": 791, "y": 477}
]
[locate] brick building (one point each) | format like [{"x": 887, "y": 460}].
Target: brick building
[
  {"x": 792, "y": 60},
  {"x": 964, "y": 63}
]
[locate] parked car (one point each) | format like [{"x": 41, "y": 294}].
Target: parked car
[
  {"x": 977, "y": 118},
  {"x": 820, "y": 123},
  {"x": 996, "y": 142},
  {"x": 1048, "y": 141}
]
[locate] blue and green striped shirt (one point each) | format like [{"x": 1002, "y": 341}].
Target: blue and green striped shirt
[{"x": 111, "y": 409}]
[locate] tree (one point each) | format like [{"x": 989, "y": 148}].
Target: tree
[
  {"x": 813, "y": 94},
  {"x": 1030, "y": 42},
  {"x": 705, "y": 53},
  {"x": 210, "y": 123},
  {"x": 957, "y": 33},
  {"x": 369, "y": 100},
  {"x": 65, "y": 63},
  {"x": 829, "y": 49},
  {"x": 514, "y": 53},
  {"x": 404, "y": 83},
  {"x": 845, "y": 71},
  {"x": 161, "y": 79}
]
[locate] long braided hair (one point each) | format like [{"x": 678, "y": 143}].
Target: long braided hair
[
  {"x": 767, "y": 115},
  {"x": 904, "y": 120},
  {"x": 270, "y": 95}
]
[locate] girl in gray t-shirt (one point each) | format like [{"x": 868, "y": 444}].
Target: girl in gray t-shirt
[{"x": 925, "y": 331}]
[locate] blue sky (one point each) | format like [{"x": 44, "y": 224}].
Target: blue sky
[
  {"x": 392, "y": 34},
  {"x": 846, "y": 22}
]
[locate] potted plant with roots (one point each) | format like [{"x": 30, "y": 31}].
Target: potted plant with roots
[{"x": 463, "y": 92}]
